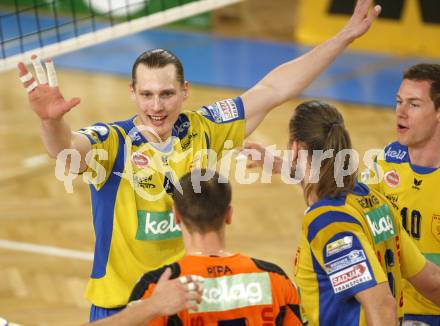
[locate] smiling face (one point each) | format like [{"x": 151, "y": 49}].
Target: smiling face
[
  {"x": 417, "y": 119},
  {"x": 159, "y": 97}
]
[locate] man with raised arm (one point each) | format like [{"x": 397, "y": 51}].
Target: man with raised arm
[{"x": 134, "y": 165}]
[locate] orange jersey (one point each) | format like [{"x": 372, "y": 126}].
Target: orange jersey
[{"x": 237, "y": 290}]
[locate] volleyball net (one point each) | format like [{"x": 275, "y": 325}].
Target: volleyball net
[{"x": 53, "y": 27}]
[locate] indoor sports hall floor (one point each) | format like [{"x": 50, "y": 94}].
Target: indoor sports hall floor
[{"x": 46, "y": 235}]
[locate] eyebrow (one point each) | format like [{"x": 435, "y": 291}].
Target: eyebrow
[
  {"x": 410, "y": 99},
  {"x": 161, "y": 91}
]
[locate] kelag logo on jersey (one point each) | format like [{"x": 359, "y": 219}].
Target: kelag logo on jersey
[
  {"x": 157, "y": 226},
  {"x": 235, "y": 291},
  {"x": 381, "y": 223},
  {"x": 396, "y": 154}
]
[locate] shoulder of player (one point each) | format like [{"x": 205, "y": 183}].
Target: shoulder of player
[
  {"x": 152, "y": 277},
  {"x": 224, "y": 111},
  {"x": 100, "y": 131},
  {"x": 330, "y": 218},
  {"x": 281, "y": 285},
  {"x": 269, "y": 267},
  {"x": 395, "y": 152},
  {"x": 97, "y": 133}
]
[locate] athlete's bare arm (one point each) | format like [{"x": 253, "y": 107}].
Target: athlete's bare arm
[
  {"x": 50, "y": 106},
  {"x": 427, "y": 282},
  {"x": 379, "y": 305},
  {"x": 286, "y": 81},
  {"x": 168, "y": 298}
]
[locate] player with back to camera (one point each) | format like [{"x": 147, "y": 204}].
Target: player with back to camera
[
  {"x": 353, "y": 254},
  {"x": 237, "y": 290}
]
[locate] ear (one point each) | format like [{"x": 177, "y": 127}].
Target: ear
[
  {"x": 228, "y": 217},
  {"x": 185, "y": 89},
  {"x": 176, "y": 214},
  {"x": 132, "y": 90}
]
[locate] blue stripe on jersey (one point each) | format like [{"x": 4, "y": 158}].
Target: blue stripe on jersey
[
  {"x": 422, "y": 319},
  {"x": 361, "y": 189},
  {"x": 326, "y": 219},
  {"x": 103, "y": 204},
  {"x": 346, "y": 313},
  {"x": 422, "y": 169},
  {"x": 240, "y": 107},
  {"x": 132, "y": 131},
  {"x": 97, "y": 313},
  {"x": 338, "y": 201}
]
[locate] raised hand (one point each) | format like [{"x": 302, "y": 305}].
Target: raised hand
[
  {"x": 44, "y": 95},
  {"x": 362, "y": 19},
  {"x": 264, "y": 154}
]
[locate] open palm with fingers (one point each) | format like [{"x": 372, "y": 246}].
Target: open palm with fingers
[
  {"x": 362, "y": 18},
  {"x": 46, "y": 100}
]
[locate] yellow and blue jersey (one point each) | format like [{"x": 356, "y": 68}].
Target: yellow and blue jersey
[
  {"x": 413, "y": 192},
  {"x": 349, "y": 244},
  {"x": 131, "y": 185}
]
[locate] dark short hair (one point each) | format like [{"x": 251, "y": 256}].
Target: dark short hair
[
  {"x": 158, "y": 58},
  {"x": 426, "y": 72},
  {"x": 203, "y": 209},
  {"x": 320, "y": 126}
]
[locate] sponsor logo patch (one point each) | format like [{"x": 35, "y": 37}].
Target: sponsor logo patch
[
  {"x": 381, "y": 224},
  {"x": 228, "y": 110},
  {"x": 235, "y": 291},
  {"x": 140, "y": 160},
  {"x": 394, "y": 200},
  {"x": 157, "y": 226},
  {"x": 185, "y": 143},
  {"x": 368, "y": 202},
  {"x": 339, "y": 245},
  {"x": 395, "y": 154},
  {"x": 98, "y": 133},
  {"x": 353, "y": 257},
  {"x": 144, "y": 182},
  {"x": 100, "y": 130},
  {"x": 211, "y": 111},
  {"x": 182, "y": 128},
  {"x": 392, "y": 178},
  {"x": 350, "y": 277},
  {"x": 414, "y": 323}
]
